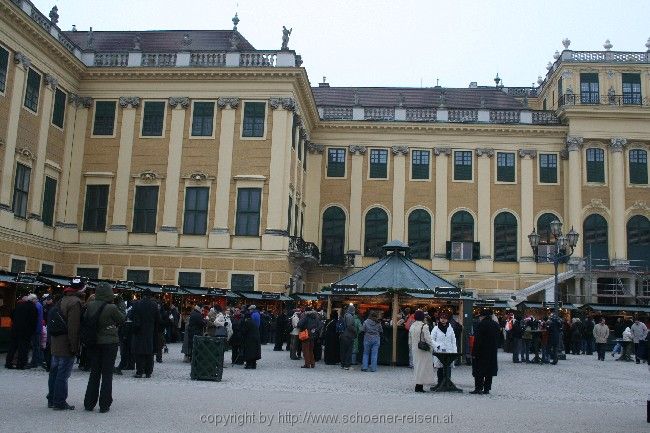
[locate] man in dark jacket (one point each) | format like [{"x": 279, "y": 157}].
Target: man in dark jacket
[
  {"x": 280, "y": 331},
  {"x": 484, "y": 362},
  {"x": 195, "y": 326},
  {"x": 145, "y": 324},
  {"x": 251, "y": 343},
  {"x": 588, "y": 336},
  {"x": 310, "y": 322},
  {"x": 554, "y": 332},
  {"x": 102, "y": 355},
  {"x": 23, "y": 325},
  {"x": 517, "y": 345},
  {"x": 65, "y": 347},
  {"x": 236, "y": 339}
]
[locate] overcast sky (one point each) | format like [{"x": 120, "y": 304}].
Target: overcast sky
[{"x": 392, "y": 43}]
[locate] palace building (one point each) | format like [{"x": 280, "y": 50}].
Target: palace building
[{"x": 193, "y": 158}]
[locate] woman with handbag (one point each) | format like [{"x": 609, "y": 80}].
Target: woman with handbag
[
  {"x": 309, "y": 327},
  {"x": 421, "y": 348}
]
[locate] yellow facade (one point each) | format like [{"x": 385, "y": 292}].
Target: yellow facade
[{"x": 300, "y": 124}]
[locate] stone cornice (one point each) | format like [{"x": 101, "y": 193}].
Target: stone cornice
[{"x": 80, "y": 101}]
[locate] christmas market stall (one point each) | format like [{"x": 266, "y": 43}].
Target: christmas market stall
[
  {"x": 269, "y": 301},
  {"x": 12, "y": 287},
  {"x": 390, "y": 285}
]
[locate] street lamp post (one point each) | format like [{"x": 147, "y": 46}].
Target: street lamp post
[{"x": 560, "y": 253}]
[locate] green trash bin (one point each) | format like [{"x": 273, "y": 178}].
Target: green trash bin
[{"x": 207, "y": 358}]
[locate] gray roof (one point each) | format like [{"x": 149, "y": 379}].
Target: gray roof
[
  {"x": 158, "y": 41},
  {"x": 480, "y": 97},
  {"x": 395, "y": 271}
]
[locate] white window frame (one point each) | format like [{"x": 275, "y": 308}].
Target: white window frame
[
  {"x": 539, "y": 166},
  {"x": 496, "y": 168},
  {"x": 266, "y": 121},
  {"x": 428, "y": 179},
  {"x": 345, "y": 162},
  {"x": 387, "y": 150},
  {"x": 214, "y": 121},
  {"x": 40, "y": 99},
  {"x": 92, "y": 126},
  {"x": 164, "y": 125},
  {"x": 453, "y": 165}
]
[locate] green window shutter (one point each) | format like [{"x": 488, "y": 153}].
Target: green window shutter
[
  {"x": 632, "y": 89},
  {"x": 595, "y": 165},
  {"x": 254, "y": 116},
  {"x": 376, "y": 232},
  {"x": 505, "y": 238},
  {"x": 242, "y": 282},
  {"x": 638, "y": 167},
  {"x": 335, "y": 162},
  {"x": 505, "y": 167},
  {"x": 91, "y": 273},
  {"x": 248, "y": 212},
  {"x": 189, "y": 279},
  {"x": 32, "y": 90},
  {"x": 104, "y": 123},
  {"x": 145, "y": 209},
  {"x": 49, "y": 198},
  {"x": 196, "y": 210},
  {"x": 21, "y": 190},
  {"x": 58, "y": 113},
  {"x": 548, "y": 168},
  {"x": 95, "y": 208},
  {"x": 137, "y": 275},
  {"x": 448, "y": 249},
  {"x": 462, "y": 165},
  {"x": 476, "y": 251},
  {"x": 202, "y": 119},
  {"x": 153, "y": 119},
  {"x": 419, "y": 234},
  {"x": 420, "y": 160},
  {"x": 333, "y": 236},
  {"x": 4, "y": 67}
]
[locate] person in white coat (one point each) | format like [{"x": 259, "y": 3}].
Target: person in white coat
[
  {"x": 444, "y": 340},
  {"x": 422, "y": 366}
]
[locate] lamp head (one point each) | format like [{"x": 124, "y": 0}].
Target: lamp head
[
  {"x": 556, "y": 228},
  {"x": 533, "y": 238},
  {"x": 572, "y": 238}
]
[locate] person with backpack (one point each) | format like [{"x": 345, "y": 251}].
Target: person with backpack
[
  {"x": 63, "y": 326},
  {"x": 100, "y": 323}
]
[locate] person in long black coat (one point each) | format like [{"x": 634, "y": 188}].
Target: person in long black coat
[
  {"x": 264, "y": 327},
  {"x": 332, "y": 344},
  {"x": 195, "y": 325},
  {"x": 251, "y": 342},
  {"x": 23, "y": 326},
  {"x": 280, "y": 330},
  {"x": 236, "y": 339},
  {"x": 484, "y": 362},
  {"x": 145, "y": 326}
]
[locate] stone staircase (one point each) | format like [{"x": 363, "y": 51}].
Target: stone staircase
[{"x": 546, "y": 285}]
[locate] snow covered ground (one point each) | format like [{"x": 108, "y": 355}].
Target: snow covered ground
[{"x": 578, "y": 395}]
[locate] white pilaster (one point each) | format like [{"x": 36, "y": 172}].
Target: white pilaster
[
  {"x": 617, "y": 194},
  {"x": 399, "y": 191},
  {"x": 439, "y": 261},
  {"x": 526, "y": 262},
  {"x": 484, "y": 223}
]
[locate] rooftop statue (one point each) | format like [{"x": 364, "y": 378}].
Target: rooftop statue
[{"x": 285, "y": 37}]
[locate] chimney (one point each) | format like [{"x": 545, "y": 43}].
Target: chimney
[
  {"x": 324, "y": 83},
  {"x": 473, "y": 85}
]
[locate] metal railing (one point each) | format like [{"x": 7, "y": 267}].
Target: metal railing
[
  {"x": 304, "y": 250},
  {"x": 630, "y": 100}
]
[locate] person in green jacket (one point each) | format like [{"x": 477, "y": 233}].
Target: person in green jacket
[
  {"x": 102, "y": 355},
  {"x": 355, "y": 345}
]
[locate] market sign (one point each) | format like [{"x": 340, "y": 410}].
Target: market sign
[
  {"x": 344, "y": 289},
  {"x": 217, "y": 292},
  {"x": 551, "y": 304},
  {"x": 274, "y": 296},
  {"x": 447, "y": 292},
  {"x": 169, "y": 289}
]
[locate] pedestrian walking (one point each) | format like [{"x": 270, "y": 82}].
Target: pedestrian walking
[
  {"x": 639, "y": 334},
  {"x": 484, "y": 355},
  {"x": 110, "y": 312},
  {"x": 309, "y": 327},
  {"x": 421, "y": 348},
  {"x": 601, "y": 333},
  {"x": 145, "y": 325},
  {"x": 251, "y": 342}
]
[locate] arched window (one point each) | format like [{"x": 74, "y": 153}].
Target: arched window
[
  {"x": 462, "y": 227},
  {"x": 544, "y": 228},
  {"x": 638, "y": 241},
  {"x": 420, "y": 234},
  {"x": 595, "y": 240},
  {"x": 333, "y": 236},
  {"x": 376, "y": 232},
  {"x": 505, "y": 237}
]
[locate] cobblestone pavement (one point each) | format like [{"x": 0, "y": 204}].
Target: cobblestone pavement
[{"x": 578, "y": 395}]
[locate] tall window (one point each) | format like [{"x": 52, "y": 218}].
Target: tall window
[
  {"x": 589, "y": 90},
  {"x": 95, "y": 208},
  {"x": 92, "y": 273},
  {"x": 254, "y": 116},
  {"x": 548, "y": 168},
  {"x": 462, "y": 165},
  {"x": 420, "y": 164},
  {"x": 153, "y": 119},
  {"x": 505, "y": 167},
  {"x": 595, "y": 165},
  {"x": 544, "y": 228},
  {"x": 333, "y": 236},
  {"x": 21, "y": 190},
  {"x": 32, "y": 90},
  {"x": 196, "y": 210},
  {"x": 58, "y": 113},
  {"x": 335, "y": 162},
  {"x": 505, "y": 238},
  {"x": 294, "y": 129},
  {"x": 462, "y": 227},
  {"x": 189, "y": 279},
  {"x": 378, "y": 164},
  {"x": 289, "y": 212},
  {"x": 202, "y": 119},
  {"x": 4, "y": 66},
  {"x": 638, "y": 241},
  {"x": 145, "y": 209},
  {"x": 248, "y": 212},
  {"x": 638, "y": 167},
  {"x": 104, "y": 123},
  {"x": 242, "y": 282},
  {"x": 420, "y": 234},
  {"x": 376, "y": 232},
  {"x": 47, "y": 268},
  {"x": 137, "y": 275},
  {"x": 49, "y": 198},
  {"x": 632, "y": 89},
  {"x": 595, "y": 240}
]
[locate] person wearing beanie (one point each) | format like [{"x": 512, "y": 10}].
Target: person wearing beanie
[
  {"x": 65, "y": 347},
  {"x": 484, "y": 355},
  {"x": 110, "y": 313},
  {"x": 422, "y": 365}
]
